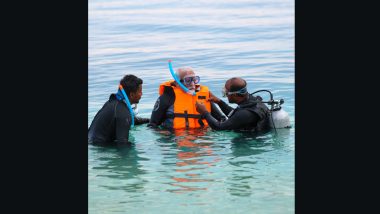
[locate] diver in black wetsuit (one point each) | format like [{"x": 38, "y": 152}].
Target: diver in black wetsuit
[
  {"x": 248, "y": 116},
  {"x": 111, "y": 124}
]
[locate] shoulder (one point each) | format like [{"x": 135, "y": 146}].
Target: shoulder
[
  {"x": 121, "y": 109},
  {"x": 244, "y": 112},
  {"x": 168, "y": 95},
  {"x": 168, "y": 91}
]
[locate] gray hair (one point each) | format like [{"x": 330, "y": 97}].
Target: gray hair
[{"x": 182, "y": 71}]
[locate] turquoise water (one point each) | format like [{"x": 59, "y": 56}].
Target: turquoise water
[{"x": 198, "y": 171}]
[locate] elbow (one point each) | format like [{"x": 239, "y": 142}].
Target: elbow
[
  {"x": 216, "y": 127},
  {"x": 152, "y": 125}
]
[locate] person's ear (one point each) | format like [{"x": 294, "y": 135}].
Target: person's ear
[
  {"x": 133, "y": 95},
  {"x": 130, "y": 95}
]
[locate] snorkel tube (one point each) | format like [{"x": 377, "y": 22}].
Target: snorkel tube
[
  {"x": 128, "y": 104},
  {"x": 177, "y": 80}
]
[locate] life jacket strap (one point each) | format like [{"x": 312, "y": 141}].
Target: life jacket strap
[
  {"x": 186, "y": 115},
  {"x": 187, "y": 119}
]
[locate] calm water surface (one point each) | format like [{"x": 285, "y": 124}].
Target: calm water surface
[{"x": 195, "y": 171}]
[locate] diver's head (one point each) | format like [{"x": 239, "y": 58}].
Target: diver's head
[
  {"x": 133, "y": 87},
  {"x": 187, "y": 77},
  {"x": 236, "y": 90}
]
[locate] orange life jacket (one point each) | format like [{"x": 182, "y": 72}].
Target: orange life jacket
[{"x": 185, "y": 113}]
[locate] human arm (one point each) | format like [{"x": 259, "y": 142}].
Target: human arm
[
  {"x": 223, "y": 106},
  {"x": 238, "y": 120},
  {"x": 160, "y": 108},
  {"x": 216, "y": 113},
  {"x": 139, "y": 120}
]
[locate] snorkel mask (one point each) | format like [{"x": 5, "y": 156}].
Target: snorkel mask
[
  {"x": 188, "y": 79},
  {"x": 178, "y": 81},
  {"x": 241, "y": 91}
]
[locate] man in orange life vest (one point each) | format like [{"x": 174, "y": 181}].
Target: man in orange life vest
[{"x": 175, "y": 109}]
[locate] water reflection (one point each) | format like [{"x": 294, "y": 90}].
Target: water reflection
[
  {"x": 281, "y": 137},
  {"x": 245, "y": 149},
  {"x": 256, "y": 42},
  {"x": 122, "y": 165},
  {"x": 191, "y": 152},
  {"x": 193, "y": 157}
]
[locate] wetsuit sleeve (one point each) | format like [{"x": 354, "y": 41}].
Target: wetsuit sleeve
[
  {"x": 139, "y": 120},
  {"x": 224, "y": 107},
  {"x": 159, "y": 109},
  {"x": 215, "y": 112},
  {"x": 122, "y": 125},
  {"x": 238, "y": 120}
]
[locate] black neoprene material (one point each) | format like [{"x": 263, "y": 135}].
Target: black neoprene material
[
  {"x": 253, "y": 117},
  {"x": 111, "y": 124}
]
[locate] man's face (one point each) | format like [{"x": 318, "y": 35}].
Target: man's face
[
  {"x": 189, "y": 80},
  {"x": 136, "y": 96},
  {"x": 231, "y": 98}
]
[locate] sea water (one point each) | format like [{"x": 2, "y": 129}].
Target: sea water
[{"x": 193, "y": 171}]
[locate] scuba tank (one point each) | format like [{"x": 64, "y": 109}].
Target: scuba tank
[{"x": 278, "y": 118}]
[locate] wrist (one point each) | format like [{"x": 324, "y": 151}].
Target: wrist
[{"x": 204, "y": 113}]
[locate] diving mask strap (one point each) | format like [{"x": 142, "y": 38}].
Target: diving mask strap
[{"x": 240, "y": 91}]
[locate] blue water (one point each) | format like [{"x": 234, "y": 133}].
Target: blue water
[{"x": 201, "y": 171}]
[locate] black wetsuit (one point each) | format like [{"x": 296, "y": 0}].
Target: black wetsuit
[
  {"x": 248, "y": 116},
  {"x": 163, "y": 112},
  {"x": 111, "y": 124}
]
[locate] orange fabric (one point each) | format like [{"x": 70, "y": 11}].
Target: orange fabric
[{"x": 186, "y": 102}]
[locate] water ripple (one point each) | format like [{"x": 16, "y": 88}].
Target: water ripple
[{"x": 192, "y": 171}]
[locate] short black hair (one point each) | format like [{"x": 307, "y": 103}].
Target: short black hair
[{"x": 130, "y": 83}]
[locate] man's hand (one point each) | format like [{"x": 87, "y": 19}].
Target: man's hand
[
  {"x": 139, "y": 120},
  {"x": 213, "y": 98},
  {"x": 201, "y": 108}
]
